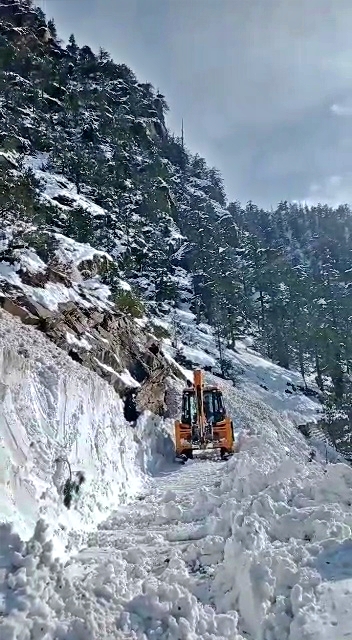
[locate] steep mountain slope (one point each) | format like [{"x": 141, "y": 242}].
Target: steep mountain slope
[
  {"x": 122, "y": 268},
  {"x": 135, "y": 191}
]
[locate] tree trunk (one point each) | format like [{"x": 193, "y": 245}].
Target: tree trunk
[
  {"x": 221, "y": 359},
  {"x": 301, "y": 363},
  {"x": 319, "y": 378}
]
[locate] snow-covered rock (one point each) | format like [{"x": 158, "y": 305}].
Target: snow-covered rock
[{"x": 56, "y": 284}]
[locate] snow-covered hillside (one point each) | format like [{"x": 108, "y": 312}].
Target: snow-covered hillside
[
  {"x": 256, "y": 548},
  {"x": 278, "y": 389}
]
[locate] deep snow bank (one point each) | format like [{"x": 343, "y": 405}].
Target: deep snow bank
[
  {"x": 283, "y": 520},
  {"x": 237, "y": 550},
  {"x": 256, "y": 548},
  {"x": 53, "y": 411}
]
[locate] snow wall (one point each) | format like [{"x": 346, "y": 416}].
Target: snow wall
[{"x": 56, "y": 415}]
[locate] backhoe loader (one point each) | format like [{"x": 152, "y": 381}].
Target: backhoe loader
[{"x": 204, "y": 425}]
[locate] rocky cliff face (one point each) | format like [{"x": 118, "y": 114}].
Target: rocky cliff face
[{"x": 54, "y": 284}]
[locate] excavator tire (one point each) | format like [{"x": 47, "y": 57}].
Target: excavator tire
[{"x": 183, "y": 457}]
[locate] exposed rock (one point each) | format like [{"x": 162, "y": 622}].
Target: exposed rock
[
  {"x": 7, "y": 162},
  {"x": 152, "y": 394},
  {"x": 66, "y": 306},
  {"x": 58, "y": 276},
  {"x": 65, "y": 200},
  {"x": 108, "y": 352},
  {"x": 105, "y": 341},
  {"x": 30, "y": 319},
  {"x": 95, "y": 318},
  {"x": 38, "y": 279},
  {"x": 172, "y": 398},
  {"x": 35, "y": 308},
  {"x": 13, "y": 142},
  {"x": 44, "y": 34},
  {"x": 20, "y": 312}
]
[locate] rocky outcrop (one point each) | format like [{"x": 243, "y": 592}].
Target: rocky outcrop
[
  {"x": 108, "y": 343},
  {"x": 20, "y": 312},
  {"x": 90, "y": 329}
]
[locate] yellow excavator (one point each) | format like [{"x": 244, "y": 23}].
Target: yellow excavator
[{"x": 204, "y": 425}]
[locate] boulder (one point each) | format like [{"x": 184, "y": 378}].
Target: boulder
[
  {"x": 151, "y": 395},
  {"x": 59, "y": 277},
  {"x": 95, "y": 318},
  {"x": 66, "y": 306},
  {"x": 36, "y": 309},
  {"x": 20, "y": 312}
]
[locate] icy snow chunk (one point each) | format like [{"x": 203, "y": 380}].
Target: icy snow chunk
[
  {"x": 30, "y": 261},
  {"x": 79, "y": 342},
  {"x": 172, "y": 511},
  {"x": 169, "y": 496},
  {"x": 9, "y": 274},
  {"x": 78, "y": 252}
]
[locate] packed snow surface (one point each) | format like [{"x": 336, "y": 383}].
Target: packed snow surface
[
  {"x": 256, "y": 548},
  {"x": 209, "y": 551}
]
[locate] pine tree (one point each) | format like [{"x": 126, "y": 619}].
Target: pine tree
[{"x": 52, "y": 28}]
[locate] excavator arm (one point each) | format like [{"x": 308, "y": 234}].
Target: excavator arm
[{"x": 199, "y": 392}]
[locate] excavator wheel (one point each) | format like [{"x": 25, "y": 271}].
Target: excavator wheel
[
  {"x": 224, "y": 453},
  {"x": 186, "y": 455}
]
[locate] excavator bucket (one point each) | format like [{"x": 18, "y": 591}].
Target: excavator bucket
[{"x": 204, "y": 425}]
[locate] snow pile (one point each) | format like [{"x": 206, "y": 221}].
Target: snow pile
[
  {"x": 257, "y": 548},
  {"x": 55, "y": 415},
  {"x": 284, "y": 519}
]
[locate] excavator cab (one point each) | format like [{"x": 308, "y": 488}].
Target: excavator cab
[{"x": 204, "y": 423}]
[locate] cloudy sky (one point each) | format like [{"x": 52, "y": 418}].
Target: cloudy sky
[{"x": 264, "y": 86}]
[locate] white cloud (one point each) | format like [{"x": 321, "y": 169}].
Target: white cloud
[
  {"x": 335, "y": 190},
  {"x": 341, "y": 109},
  {"x": 263, "y": 87}
]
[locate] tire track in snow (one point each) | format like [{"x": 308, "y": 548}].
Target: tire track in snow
[{"x": 148, "y": 569}]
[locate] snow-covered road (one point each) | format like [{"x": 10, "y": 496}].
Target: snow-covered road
[
  {"x": 216, "y": 550},
  {"x": 256, "y": 548},
  {"x": 148, "y": 570}
]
